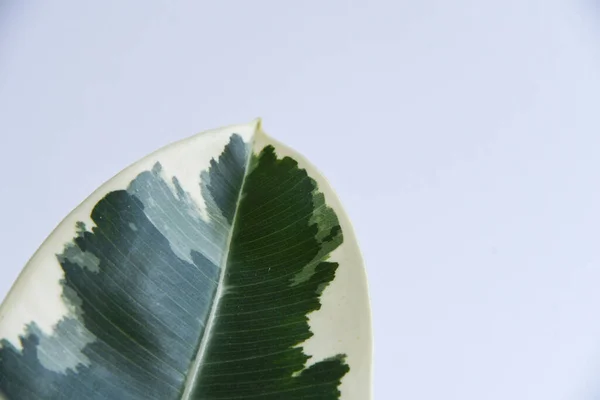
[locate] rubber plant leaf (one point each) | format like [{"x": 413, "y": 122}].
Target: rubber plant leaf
[{"x": 219, "y": 267}]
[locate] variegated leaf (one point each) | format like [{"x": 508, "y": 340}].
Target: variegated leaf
[{"x": 220, "y": 267}]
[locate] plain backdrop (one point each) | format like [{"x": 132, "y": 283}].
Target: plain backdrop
[{"x": 463, "y": 138}]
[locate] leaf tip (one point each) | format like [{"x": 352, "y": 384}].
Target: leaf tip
[{"x": 257, "y": 122}]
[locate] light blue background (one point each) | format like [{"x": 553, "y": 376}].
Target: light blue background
[{"x": 463, "y": 138}]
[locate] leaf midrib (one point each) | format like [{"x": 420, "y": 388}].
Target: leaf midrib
[{"x": 195, "y": 369}]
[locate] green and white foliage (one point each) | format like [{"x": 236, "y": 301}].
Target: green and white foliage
[{"x": 220, "y": 267}]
